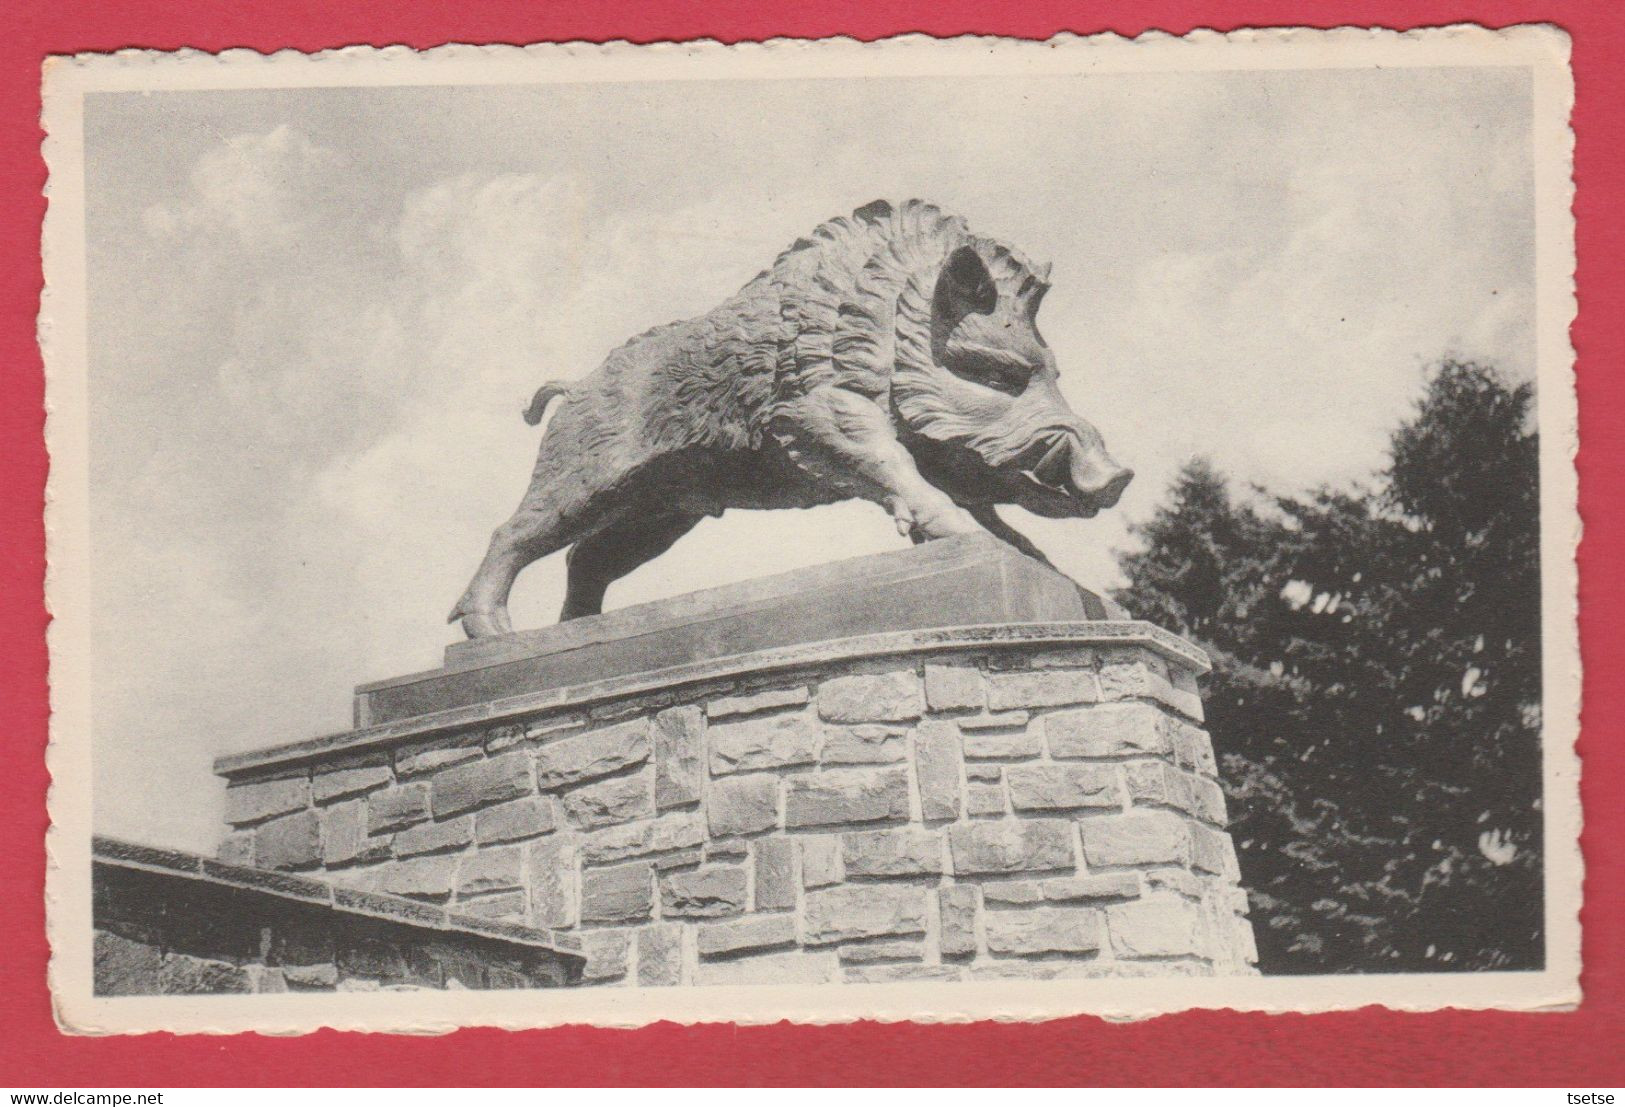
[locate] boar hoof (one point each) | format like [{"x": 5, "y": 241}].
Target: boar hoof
[
  {"x": 486, "y": 624},
  {"x": 941, "y": 524}
]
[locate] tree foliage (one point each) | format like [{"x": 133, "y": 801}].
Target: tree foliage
[{"x": 1375, "y": 699}]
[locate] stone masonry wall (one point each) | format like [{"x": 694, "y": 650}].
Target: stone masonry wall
[
  {"x": 1002, "y": 810},
  {"x": 172, "y": 923}
]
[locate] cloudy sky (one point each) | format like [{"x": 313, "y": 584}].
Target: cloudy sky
[{"x": 316, "y": 314}]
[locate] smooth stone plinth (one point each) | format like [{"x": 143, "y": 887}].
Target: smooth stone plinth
[{"x": 972, "y": 580}]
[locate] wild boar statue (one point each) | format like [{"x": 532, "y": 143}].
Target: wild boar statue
[{"x": 891, "y": 355}]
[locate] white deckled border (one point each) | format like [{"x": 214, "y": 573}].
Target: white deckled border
[{"x": 1544, "y": 50}]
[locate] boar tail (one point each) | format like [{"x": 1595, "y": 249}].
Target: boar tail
[{"x": 544, "y": 396}]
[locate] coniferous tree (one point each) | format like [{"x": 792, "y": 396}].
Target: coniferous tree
[{"x": 1376, "y": 690}]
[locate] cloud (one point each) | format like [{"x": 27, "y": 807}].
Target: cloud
[{"x": 255, "y": 188}]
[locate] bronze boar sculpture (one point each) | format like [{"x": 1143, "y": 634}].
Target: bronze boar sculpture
[{"x": 891, "y": 355}]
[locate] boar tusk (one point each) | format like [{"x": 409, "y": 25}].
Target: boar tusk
[{"x": 1052, "y": 467}]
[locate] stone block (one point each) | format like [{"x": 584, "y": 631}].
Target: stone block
[
  {"x": 481, "y": 784},
  {"x": 1140, "y": 838},
  {"x": 864, "y": 744},
  {"x": 121, "y": 967},
  {"x": 310, "y": 978},
  {"x": 1193, "y": 749},
  {"x": 775, "y": 883},
  {"x": 957, "y": 905},
  {"x": 660, "y": 956},
  {"x": 1063, "y": 657},
  {"x": 491, "y": 870},
  {"x": 890, "y": 697},
  {"x": 887, "y": 974},
  {"x": 682, "y": 859},
  {"x": 679, "y": 741},
  {"x": 397, "y": 807},
  {"x": 1213, "y": 852},
  {"x": 751, "y": 703},
  {"x": 516, "y": 820},
  {"x": 709, "y": 892},
  {"x": 1011, "y": 846},
  {"x": 302, "y": 941},
  {"x": 608, "y": 954},
  {"x": 1043, "y": 930},
  {"x": 439, "y": 753},
  {"x": 848, "y": 796},
  {"x": 1077, "y": 889},
  {"x": 553, "y": 726},
  {"x": 908, "y": 851},
  {"x": 1040, "y": 688},
  {"x": 727, "y": 849},
  {"x": 1090, "y": 889},
  {"x": 954, "y": 688},
  {"x": 257, "y": 800},
  {"x": 1109, "y": 730},
  {"x": 623, "y": 894},
  {"x": 994, "y": 720},
  {"x": 985, "y": 801},
  {"x": 938, "y": 758},
  {"x": 237, "y": 848},
  {"x": 1243, "y": 941},
  {"x": 504, "y": 737},
  {"x": 1160, "y": 925},
  {"x": 181, "y": 974},
  {"x": 509, "y": 906},
  {"x": 821, "y": 861},
  {"x": 332, "y": 784},
  {"x": 289, "y": 842},
  {"x": 1140, "y": 674},
  {"x": 1180, "y": 881},
  {"x": 597, "y": 753},
  {"x": 855, "y": 911},
  {"x": 1209, "y": 801},
  {"x": 553, "y": 883},
  {"x": 1012, "y": 893},
  {"x": 1062, "y": 787},
  {"x": 877, "y": 953},
  {"x": 763, "y": 742},
  {"x": 608, "y": 802},
  {"x": 743, "y": 805},
  {"x": 419, "y": 878},
  {"x": 1158, "y": 784},
  {"x": 794, "y": 967},
  {"x": 758, "y": 932},
  {"x": 630, "y": 707},
  {"x": 1017, "y": 744},
  {"x": 665, "y": 834},
  {"x": 344, "y": 835},
  {"x": 449, "y": 836}
]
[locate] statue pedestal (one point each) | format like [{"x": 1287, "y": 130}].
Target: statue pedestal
[{"x": 939, "y": 764}]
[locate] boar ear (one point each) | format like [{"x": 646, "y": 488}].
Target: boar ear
[{"x": 966, "y": 287}]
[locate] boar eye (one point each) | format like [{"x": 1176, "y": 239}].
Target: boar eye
[{"x": 995, "y": 369}]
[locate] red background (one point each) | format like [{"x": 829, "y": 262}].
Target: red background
[{"x": 1373, "y": 1046}]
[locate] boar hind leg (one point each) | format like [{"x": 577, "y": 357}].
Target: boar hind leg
[
  {"x": 532, "y": 533},
  {"x": 601, "y": 559},
  {"x": 846, "y": 439}
]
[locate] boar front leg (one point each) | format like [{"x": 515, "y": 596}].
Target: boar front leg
[
  {"x": 988, "y": 516},
  {"x": 847, "y": 440}
]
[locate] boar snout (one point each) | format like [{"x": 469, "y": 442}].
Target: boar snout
[{"x": 1097, "y": 481}]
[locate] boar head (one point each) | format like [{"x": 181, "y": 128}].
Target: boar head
[{"x": 982, "y": 410}]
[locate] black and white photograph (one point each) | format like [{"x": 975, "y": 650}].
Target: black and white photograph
[{"x": 931, "y": 529}]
